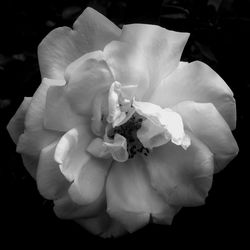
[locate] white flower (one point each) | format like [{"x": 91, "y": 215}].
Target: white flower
[{"x": 120, "y": 130}]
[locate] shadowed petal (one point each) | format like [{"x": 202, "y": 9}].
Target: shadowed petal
[
  {"x": 34, "y": 119},
  {"x": 15, "y": 126},
  {"x": 183, "y": 177},
  {"x": 91, "y": 31},
  {"x": 103, "y": 226},
  {"x": 208, "y": 125},
  {"x": 66, "y": 208},
  {"x": 131, "y": 199},
  {"x": 197, "y": 82},
  {"x": 50, "y": 181}
]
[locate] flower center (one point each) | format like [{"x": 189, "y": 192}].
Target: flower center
[
  {"x": 132, "y": 126},
  {"x": 129, "y": 131}
]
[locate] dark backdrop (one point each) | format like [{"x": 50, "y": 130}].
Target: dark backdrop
[{"x": 219, "y": 36}]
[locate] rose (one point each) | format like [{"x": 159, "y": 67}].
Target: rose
[{"x": 121, "y": 131}]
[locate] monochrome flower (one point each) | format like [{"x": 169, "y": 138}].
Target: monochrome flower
[{"x": 120, "y": 131}]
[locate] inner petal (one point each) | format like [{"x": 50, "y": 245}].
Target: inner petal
[{"x": 166, "y": 120}]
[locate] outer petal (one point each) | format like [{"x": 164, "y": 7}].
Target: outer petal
[
  {"x": 66, "y": 208},
  {"x": 207, "y": 124},
  {"x": 91, "y": 31},
  {"x": 103, "y": 226},
  {"x": 15, "y": 126},
  {"x": 144, "y": 55},
  {"x": 87, "y": 173},
  {"x": 183, "y": 177},
  {"x": 30, "y": 163},
  {"x": 34, "y": 119},
  {"x": 130, "y": 198},
  {"x": 50, "y": 181},
  {"x": 196, "y": 81}
]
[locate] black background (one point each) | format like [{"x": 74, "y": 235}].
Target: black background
[{"x": 219, "y": 37}]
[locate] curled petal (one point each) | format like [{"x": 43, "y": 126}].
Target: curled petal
[
  {"x": 91, "y": 31},
  {"x": 183, "y": 177},
  {"x": 197, "y": 82},
  {"x": 166, "y": 120},
  {"x": 15, "y": 126},
  {"x": 50, "y": 181},
  {"x": 118, "y": 148},
  {"x": 98, "y": 148},
  {"x": 131, "y": 199},
  {"x": 208, "y": 125},
  {"x": 151, "y": 135}
]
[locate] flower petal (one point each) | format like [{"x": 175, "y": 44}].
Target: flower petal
[
  {"x": 130, "y": 198},
  {"x": 166, "y": 120},
  {"x": 59, "y": 115},
  {"x": 15, "y": 126},
  {"x": 66, "y": 208},
  {"x": 183, "y": 177},
  {"x": 70, "y": 151},
  {"x": 34, "y": 119},
  {"x": 144, "y": 55},
  {"x": 50, "y": 181},
  {"x": 208, "y": 125},
  {"x": 151, "y": 136},
  {"x": 197, "y": 82},
  {"x": 90, "y": 181},
  {"x": 91, "y": 31},
  {"x": 32, "y": 142},
  {"x": 87, "y": 173},
  {"x": 118, "y": 148},
  {"x": 30, "y": 163},
  {"x": 86, "y": 77},
  {"x": 103, "y": 226}
]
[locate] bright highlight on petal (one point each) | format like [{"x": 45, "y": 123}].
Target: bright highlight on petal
[{"x": 166, "y": 121}]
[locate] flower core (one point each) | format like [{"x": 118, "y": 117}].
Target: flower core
[{"x": 129, "y": 131}]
